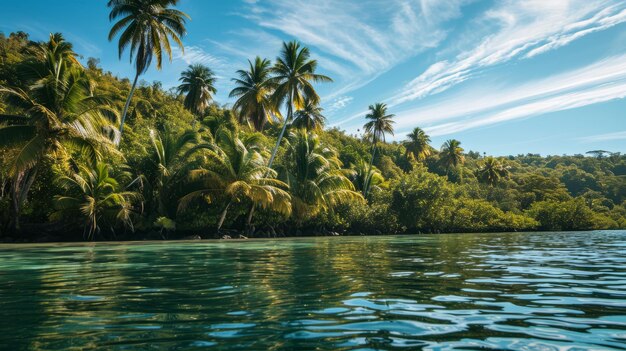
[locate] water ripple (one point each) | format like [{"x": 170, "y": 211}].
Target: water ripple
[{"x": 534, "y": 291}]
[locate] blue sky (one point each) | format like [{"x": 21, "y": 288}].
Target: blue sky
[{"x": 504, "y": 77}]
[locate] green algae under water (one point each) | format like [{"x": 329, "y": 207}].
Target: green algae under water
[{"x": 517, "y": 291}]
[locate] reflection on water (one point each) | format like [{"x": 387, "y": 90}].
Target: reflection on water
[{"x": 537, "y": 291}]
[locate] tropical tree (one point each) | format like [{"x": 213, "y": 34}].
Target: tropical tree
[
  {"x": 362, "y": 177},
  {"x": 418, "y": 145},
  {"x": 253, "y": 91},
  {"x": 237, "y": 172},
  {"x": 170, "y": 162},
  {"x": 146, "y": 26},
  {"x": 59, "y": 114},
  {"x": 315, "y": 178},
  {"x": 379, "y": 123},
  {"x": 491, "y": 171},
  {"x": 598, "y": 153},
  {"x": 309, "y": 117},
  {"x": 451, "y": 154},
  {"x": 197, "y": 83},
  {"x": 93, "y": 197},
  {"x": 294, "y": 73}
]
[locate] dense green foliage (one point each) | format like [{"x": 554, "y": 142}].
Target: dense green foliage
[{"x": 187, "y": 165}]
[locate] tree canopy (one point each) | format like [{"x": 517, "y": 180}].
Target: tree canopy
[{"x": 189, "y": 166}]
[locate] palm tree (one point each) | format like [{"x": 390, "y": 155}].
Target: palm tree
[
  {"x": 309, "y": 117},
  {"x": 146, "y": 26},
  {"x": 94, "y": 198},
  {"x": 170, "y": 160},
  {"x": 57, "y": 51},
  {"x": 417, "y": 146},
  {"x": 379, "y": 123},
  {"x": 452, "y": 154},
  {"x": 59, "y": 111},
  {"x": 315, "y": 178},
  {"x": 491, "y": 171},
  {"x": 197, "y": 82},
  {"x": 294, "y": 72},
  {"x": 253, "y": 92},
  {"x": 361, "y": 178},
  {"x": 237, "y": 172}
]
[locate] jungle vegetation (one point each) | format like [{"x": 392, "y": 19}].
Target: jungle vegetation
[{"x": 262, "y": 166}]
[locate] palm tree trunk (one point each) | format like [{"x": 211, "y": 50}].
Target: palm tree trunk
[
  {"x": 130, "y": 96},
  {"x": 21, "y": 187},
  {"x": 280, "y": 138},
  {"x": 223, "y": 216},
  {"x": 14, "y": 223},
  {"x": 282, "y": 132},
  {"x": 250, "y": 214},
  {"x": 369, "y": 171}
]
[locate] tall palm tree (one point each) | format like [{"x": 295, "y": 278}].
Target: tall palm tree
[
  {"x": 452, "y": 154},
  {"x": 309, "y": 117},
  {"x": 197, "y": 82},
  {"x": 59, "y": 111},
  {"x": 253, "y": 90},
  {"x": 491, "y": 171},
  {"x": 315, "y": 178},
  {"x": 95, "y": 198},
  {"x": 237, "y": 172},
  {"x": 418, "y": 144},
  {"x": 294, "y": 73},
  {"x": 379, "y": 123},
  {"x": 146, "y": 26}
]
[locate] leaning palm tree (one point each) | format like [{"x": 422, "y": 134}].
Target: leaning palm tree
[
  {"x": 491, "y": 171},
  {"x": 452, "y": 154},
  {"x": 379, "y": 123},
  {"x": 253, "y": 90},
  {"x": 309, "y": 117},
  {"x": 146, "y": 26},
  {"x": 418, "y": 145},
  {"x": 96, "y": 199},
  {"x": 294, "y": 73},
  {"x": 315, "y": 178},
  {"x": 59, "y": 111},
  {"x": 236, "y": 171},
  {"x": 197, "y": 83}
]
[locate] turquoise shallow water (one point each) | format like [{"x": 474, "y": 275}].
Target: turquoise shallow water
[{"x": 531, "y": 291}]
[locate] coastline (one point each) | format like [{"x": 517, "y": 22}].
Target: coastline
[{"x": 230, "y": 235}]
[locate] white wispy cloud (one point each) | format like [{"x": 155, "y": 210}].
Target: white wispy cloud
[
  {"x": 368, "y": 36},
  {"x": 473, "y": 102},
  {"x": 194, "y": 55},
  {"x": 604, "y": 137},
  {"x": 339, "y": 103},
  {"x": 554, "y": 104},
  {"x": 470, "y": 108},
  {"x": 524, "y": 29},
  {"x": 243, "y": 44}
]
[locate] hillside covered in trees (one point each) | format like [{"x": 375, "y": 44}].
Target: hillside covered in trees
[{"x": 184, "y": 165}]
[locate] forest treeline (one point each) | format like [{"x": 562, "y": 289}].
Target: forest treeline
[{"x": 182, "y": 164}]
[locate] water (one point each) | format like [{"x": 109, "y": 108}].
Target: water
[{"x": 536, "y": 291}]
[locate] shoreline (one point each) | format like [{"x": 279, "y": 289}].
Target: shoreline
[{"x": 199, "y": 239}]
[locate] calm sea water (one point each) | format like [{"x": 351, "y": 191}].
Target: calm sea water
[{"x": 533, "y": 291}]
